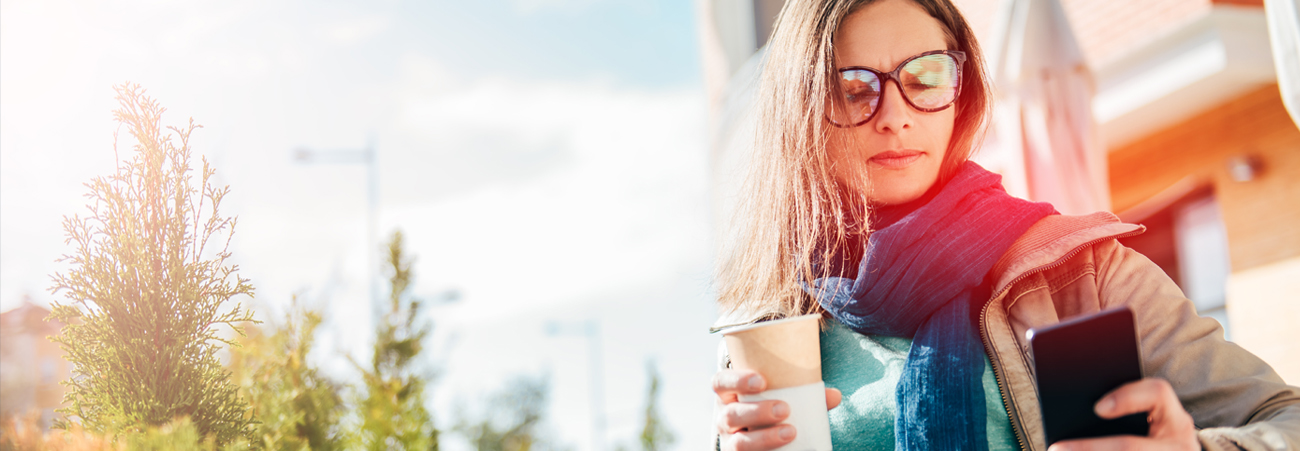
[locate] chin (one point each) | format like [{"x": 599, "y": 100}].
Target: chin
[{"x": 894, "y": 192}]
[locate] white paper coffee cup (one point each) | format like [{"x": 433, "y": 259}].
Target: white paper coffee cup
[
  {"x": 787, "y": 353},
  {"x": 807, "y": 414}
]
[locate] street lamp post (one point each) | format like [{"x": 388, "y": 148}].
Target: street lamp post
[
  {"x": 591, "y": 330},
  {"x": 368, "y": 157}
]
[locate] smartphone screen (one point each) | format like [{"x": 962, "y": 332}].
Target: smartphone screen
[{"x": 1078, "y": 361}]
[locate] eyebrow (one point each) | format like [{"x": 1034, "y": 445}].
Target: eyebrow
[{"x": 900, "y": 63}]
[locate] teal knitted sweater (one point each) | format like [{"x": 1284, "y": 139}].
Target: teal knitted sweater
[{"x": 866, "y": 370}]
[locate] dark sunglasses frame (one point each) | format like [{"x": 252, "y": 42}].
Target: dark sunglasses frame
[{"x": 885, "y": 77}]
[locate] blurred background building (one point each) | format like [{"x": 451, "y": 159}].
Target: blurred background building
[
  {"x": 31, "y": 366},
  {"x": 1196, "y": 142}
]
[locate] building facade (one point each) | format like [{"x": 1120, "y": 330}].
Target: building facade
[{"x": 31, "y": 366}]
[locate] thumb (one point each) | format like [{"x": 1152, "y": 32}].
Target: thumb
[{"x": 833, "y": 398}]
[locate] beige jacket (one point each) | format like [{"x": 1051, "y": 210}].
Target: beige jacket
[
  {"x": 1072, "y": 265},
  {"x": 1065, "y": 266}
]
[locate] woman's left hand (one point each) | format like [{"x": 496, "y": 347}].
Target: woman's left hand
[{"x": 1171, "y": 426}]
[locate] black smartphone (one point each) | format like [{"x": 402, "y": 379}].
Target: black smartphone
[{"x": 1076, "y": 362}]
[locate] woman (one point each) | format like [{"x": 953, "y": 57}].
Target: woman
[{"x": 862, "y": 206}]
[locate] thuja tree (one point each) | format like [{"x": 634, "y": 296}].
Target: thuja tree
[
  {"x": 655, "y": 435},
  {"x": 298, "y": 407},
  {"x": 148, "y": 286},
  {"x": 393, "y": 416},
  {"x": 512, "y": 419}
]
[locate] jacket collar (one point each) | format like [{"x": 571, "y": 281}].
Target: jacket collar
[{"x": 1054, "y": 239}]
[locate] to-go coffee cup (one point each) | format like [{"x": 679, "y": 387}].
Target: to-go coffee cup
[{"x": 787, "y": 353}]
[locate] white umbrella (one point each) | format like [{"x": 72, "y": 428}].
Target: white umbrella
[
  {"x": 1284, "y": 33},
  {"x": 1043, "y": 138}
]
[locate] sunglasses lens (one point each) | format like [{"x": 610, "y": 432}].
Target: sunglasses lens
[
  {"x": 861, "y": 94},
  {"x": 930, "y": 81}
]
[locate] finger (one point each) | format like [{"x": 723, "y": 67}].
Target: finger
[
  {"x": 751, "y": 415},
  {"x": 730, "y": 383},
  {"x": 1146, "y": 395},
  {"x": 1114, "y": 443},
  {"x": 833, "y": 398},
  {"x": 1169, "y": 421},
  {"x": 762, "y": 439}
]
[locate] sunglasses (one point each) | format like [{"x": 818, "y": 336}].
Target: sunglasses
[{"x": 929, "y": 82}]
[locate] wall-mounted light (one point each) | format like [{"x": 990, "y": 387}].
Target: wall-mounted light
[{"x": 1245, "y": 167}]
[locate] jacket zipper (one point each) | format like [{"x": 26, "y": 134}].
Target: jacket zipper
[{"x": 1017, "y": 427}]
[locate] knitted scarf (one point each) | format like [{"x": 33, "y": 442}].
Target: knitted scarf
[{"x": 923, "y": 277}]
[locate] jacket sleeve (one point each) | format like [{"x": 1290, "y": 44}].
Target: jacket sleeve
[{"x": 1236, "y": 400}]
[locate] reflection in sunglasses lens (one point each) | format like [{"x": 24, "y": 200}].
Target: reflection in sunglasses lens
[
  {"x": 861, "y": 94},
  {"x": 929, "y": 83}
]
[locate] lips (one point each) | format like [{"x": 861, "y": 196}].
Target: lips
[{"x": 896, "y": 159}]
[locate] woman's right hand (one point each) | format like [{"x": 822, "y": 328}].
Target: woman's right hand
[{"x": 748, "y": 426}]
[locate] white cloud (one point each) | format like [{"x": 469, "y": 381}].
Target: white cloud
[
  {"x": 358, "y": 29},
  {"x": 568, "y": 184}
]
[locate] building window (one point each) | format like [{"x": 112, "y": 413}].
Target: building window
[
  {"x": 1203, "y": 257},
  {"x": 47, "y": 370}
]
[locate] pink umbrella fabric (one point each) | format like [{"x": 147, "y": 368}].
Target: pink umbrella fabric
[{"x": 1043, "y": 138}]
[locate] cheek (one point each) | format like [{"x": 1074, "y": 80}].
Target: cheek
[
  {"x": 939, "y": 127},
  {"x": 846, "y": 157}
]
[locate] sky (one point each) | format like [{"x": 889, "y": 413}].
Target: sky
[{"x": 545, "y": 159}]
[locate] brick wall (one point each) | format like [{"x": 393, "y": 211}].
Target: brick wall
[{"x": 1105, "y": 28}]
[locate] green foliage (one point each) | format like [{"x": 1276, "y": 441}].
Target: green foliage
[
  {"x": 179, "y": 435},
  {"x": 297, "y": 406},
  {"x": 655, "y": 435},
  {"x": 393, "y": 416},
  {"x": 511, "y": 421},
  {"x": 146, "y": 293}
]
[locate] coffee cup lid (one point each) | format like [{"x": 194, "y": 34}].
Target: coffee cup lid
[{"x": 744, "y": 327}]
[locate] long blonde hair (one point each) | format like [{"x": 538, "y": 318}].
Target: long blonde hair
[{"x": 794, "y": 212}]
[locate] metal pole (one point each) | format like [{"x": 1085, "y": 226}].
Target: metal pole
[
  {"x": 368, "y": 156},
  {"x": 590, "y": 329},
  {"x": 597, "y": 386},
  {"x": 372, "y": 205}
]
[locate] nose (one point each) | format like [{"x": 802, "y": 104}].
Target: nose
[{"x": 894, "y": 115}]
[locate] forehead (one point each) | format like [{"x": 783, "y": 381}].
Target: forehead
[{"x": 883, "y": 34}]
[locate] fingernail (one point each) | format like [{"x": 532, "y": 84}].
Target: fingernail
[
  {"x": 781, "y": 410},
  {"x": 755, "y": 383},
  {"x": 786, "y": 433},
  {"x": 1105, "y": 406}
]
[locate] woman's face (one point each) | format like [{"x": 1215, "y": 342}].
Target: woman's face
[{"x": 901, "y": 149}]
